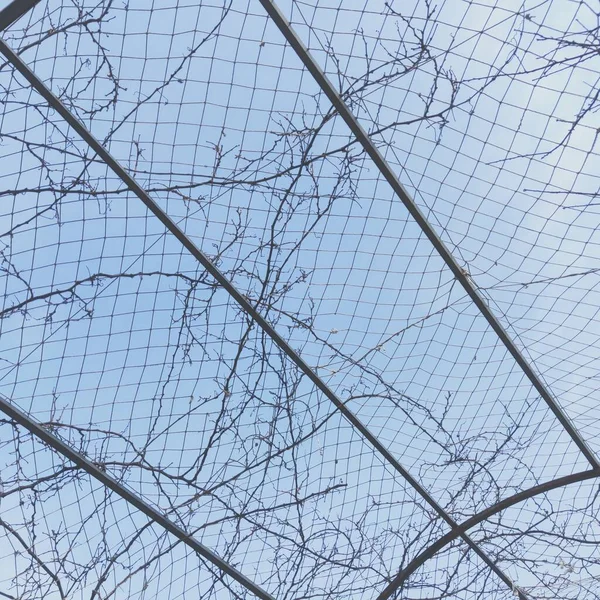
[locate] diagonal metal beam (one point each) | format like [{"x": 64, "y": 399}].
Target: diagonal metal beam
[
  {"x": 384, "y": 168},
  {"x": 396, "y": 584},
  {"x": 14, "y": 11},
  {"x": 187, "y": 243},
  {"x": 9, "y": 409}
]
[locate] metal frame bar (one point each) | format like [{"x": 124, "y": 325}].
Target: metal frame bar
[
  {"x": 396, "y": 584},
  {"x": 386, "y": 171},
  {"x": 384, "y": 168},
  {"x": 104, "y": 478},
  {"x": 7, "y": 17},
  {"x": 132, "y": 184},
  {"x": 14, "y": 11}
]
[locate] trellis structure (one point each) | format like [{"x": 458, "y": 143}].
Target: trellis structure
[{"x": 442, "y": 447}]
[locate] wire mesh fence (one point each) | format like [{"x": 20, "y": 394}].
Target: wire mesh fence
[{"x": 324, "y": 448}]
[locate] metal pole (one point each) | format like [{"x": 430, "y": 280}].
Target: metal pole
[
  {"x": 15, "y": 10},
  {"x": 364, "y": 139},
  {"x": 114, "y": 165},
  {"x": 104, "y": 478}
]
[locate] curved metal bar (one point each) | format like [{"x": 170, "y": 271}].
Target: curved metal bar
[{"x": 419, "y": 560}]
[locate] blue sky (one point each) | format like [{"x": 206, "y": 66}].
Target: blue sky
[{"x": 389, "y": 326}]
